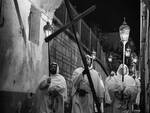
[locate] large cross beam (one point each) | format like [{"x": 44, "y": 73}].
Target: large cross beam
[
  {"x": 86, "y": 69},
  {"x": 62, "y": 29}
]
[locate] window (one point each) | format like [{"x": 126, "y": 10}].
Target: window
[{"x": 34, "y": 25}]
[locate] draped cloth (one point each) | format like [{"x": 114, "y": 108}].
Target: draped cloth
[
  {"x": 121, "y": 95},
  {"x": 138, "y": 85},
  {"x": 51, "y": 99},
  {"x": 82, "y": 99}
]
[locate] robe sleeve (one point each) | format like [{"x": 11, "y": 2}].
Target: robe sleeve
[
  {"x": 98, "y": 83},
  {"x": 43, "y": 82},
  {"x": 139, "y": 91},
  {"x": 107, "y": 95},
  {"x": 58, "y": 83}
]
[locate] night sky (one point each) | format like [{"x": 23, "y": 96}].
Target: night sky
[{"x": 109, "y": 15}]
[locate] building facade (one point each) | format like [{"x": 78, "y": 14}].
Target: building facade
[{"x": 144, "y": 65}]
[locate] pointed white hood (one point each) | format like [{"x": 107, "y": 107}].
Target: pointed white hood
[{"x": 121, "y": 68}]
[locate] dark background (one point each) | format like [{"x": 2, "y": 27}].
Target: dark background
[{"x": 109, "y": 15}]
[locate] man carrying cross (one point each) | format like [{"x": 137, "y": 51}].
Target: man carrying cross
[{"x": 82, "y": 99}]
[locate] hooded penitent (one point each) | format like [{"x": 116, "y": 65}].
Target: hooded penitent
[
  {"x": 89, "y": 61},
  {"x": 129, "y": 84},
  {"x": 82, "y": 99},
  {"x": 58, "y": 82},
  {"x": 51, "y": 100},
  {"x": 121, "y": 93}
]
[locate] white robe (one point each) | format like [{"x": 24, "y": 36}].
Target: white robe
[
  {"x": 47, "y": 103},
  {"x": 85, "y": 103},
  {"x": 115, "y": 88}
]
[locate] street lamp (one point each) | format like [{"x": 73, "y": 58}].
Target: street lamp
[
  {"x": 48, "y": 30},
  {"x": 128, "y": 52},
  {"x": 93, "y": 55},
  {"x": 134, "y": 59},
  {"x": 124, "y": 31},
  {"x": 110, "y": 58}
]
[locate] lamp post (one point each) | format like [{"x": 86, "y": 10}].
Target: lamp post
[
  {"x": 128, "y": 54},
  {"x": 134, "y": 61},
  {"x": 134, "y": 58},
  {"x": 124, "y": 31},
  {"x": 93, "y": 55},
  {"x": 48, "y": 30},
  {"x": 128, "y": 51},
  {"x": 110, "y": 58}
]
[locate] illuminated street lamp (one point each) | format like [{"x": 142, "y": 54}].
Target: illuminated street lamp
[
  {"x": 48, "y": 30},
  {"x": 93, "y": 55},
  {"x": 110, "y": 58},
  {"x": 124, "y": 31},
  {"x": 134, "y": 58},
  {"x": 128, "y": 52}
]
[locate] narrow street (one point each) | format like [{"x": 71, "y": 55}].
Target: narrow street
[{"x": 73, "y": 56}]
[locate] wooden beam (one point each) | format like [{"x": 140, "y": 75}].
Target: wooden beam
[
  {"x": 86, "y": 68},
  {"x": 49, "y": 38}
]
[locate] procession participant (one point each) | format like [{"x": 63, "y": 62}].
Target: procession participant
[
  {"x": 82, "y": 99},
  {"x": 122, "y": 93},
  {"x": 52, "y": 92}
]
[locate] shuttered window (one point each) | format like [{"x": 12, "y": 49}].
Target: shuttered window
[{"x": 34, "y": 25}]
